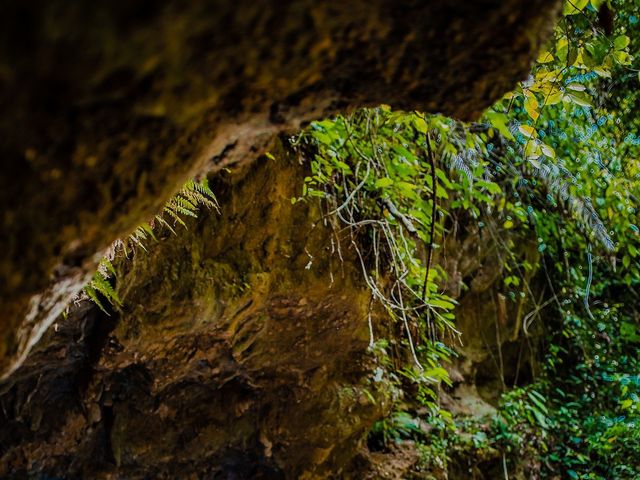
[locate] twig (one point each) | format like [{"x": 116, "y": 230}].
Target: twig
[
  {"x": 432, "y": 164},
  {"x": 504, "y": 467}
]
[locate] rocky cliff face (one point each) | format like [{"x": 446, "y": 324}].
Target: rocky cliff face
[
  {"x": 235, "y": 355},
  {"x": 106, "y": 108},
  {"x": 241, "y": 349}
]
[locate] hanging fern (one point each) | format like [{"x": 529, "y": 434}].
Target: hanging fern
[
  {"x": 185, "y": 203},
  {"x": 101, "y": 286}
]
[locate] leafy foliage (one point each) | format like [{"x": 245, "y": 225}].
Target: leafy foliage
[{"x": 386, "y": 199}]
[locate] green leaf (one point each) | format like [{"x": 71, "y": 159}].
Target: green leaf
[
  {"x": 538, "y": 400},
  {"x": 491, "y": 187},
  {"x": 540, "y": 418},
  {"x": 342, "y": 166},
  {"x": 572, "y": 55},
  {"x": 572, "y": 7},
  {"x": 443, "y": 178},
  {"x": 587, "y": 58},
  {"x": 621, "y": 42},
  {"x": 383, "y": 182},
  {"x": 577, "y": 87},
  {"x": 441, "y": 304},
  {"x": 499, "y": 121},
  {"x": 579, "y": 98},
  {"x": 602, "y": 72}
]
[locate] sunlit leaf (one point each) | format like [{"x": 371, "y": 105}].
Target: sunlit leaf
[
  {"x": 572, "y": 7},
  {"x": 621, "y": 42},
  {"x": 531, "y": 105},
  {"x": 528, "y": 131},
  {"x": 499, "y": 121}
]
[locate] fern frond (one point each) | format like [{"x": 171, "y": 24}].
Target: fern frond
[
  {"x": 175, "y": 216},
  {"x": 582, "y": 209},
  {"x": 135, "y": 240},
  {"x": 179, "y": 208},
  {"x": 139, "y": 234},
  {"x": 93, "y": 296},
  {"x": 106, "y": 268},
  {"x": 102, "y": 285},
  {"x": 148, "y": 230},
  {"x": 162, "y": 221},
  {"x": 183, "y": 204},
  {"x": 458, "y": 163},
  {"x": 200, "y": 194}
]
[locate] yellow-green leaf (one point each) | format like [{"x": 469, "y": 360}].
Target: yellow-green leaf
[
  {"x": 528, "y": 131},
  {"x": 562, "y": 48},
  {"x": 545, "y": 57},
  {"x": 571, "y": 7},
  {"x": 621, "y": 42},
  {"x": 420, "y": 124},
  {"x": 622, "y": 57},
  {"x": 553, "y": 98},
  {"x": 383, "y": 182},
  {"x": 531, "y": 105},
  {"x": 548, "y": 150},
  {"x": 498, "y": 120},
  {"x": 533, "y": 151}
]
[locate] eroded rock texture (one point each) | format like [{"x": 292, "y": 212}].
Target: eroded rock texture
[
  {"x": 241, "y": 353},
  {"x": 108, "y": 106}
]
